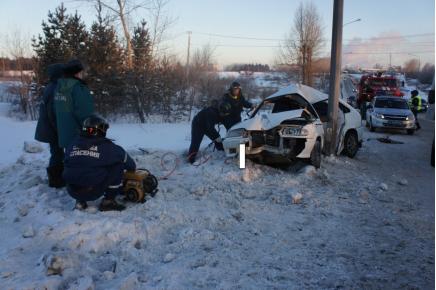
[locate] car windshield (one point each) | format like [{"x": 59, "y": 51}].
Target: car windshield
[{"x": 393, "y": 104}]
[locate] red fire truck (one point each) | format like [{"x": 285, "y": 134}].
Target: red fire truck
[{"x": 376, "y": 85}]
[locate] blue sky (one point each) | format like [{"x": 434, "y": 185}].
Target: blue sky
[{"x": 264, "y": 19}]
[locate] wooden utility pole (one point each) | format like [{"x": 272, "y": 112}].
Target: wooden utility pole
[{"x": 335, "y": 77}]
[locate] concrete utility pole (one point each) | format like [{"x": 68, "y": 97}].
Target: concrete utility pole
[{"x": 335, "y": 76}]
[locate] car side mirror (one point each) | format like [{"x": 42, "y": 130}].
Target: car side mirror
[{"x": 369, "y": 107}]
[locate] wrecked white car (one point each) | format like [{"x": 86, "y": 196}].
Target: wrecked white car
[{"x": 290, "y": 125}]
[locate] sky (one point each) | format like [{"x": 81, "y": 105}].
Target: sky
[{"x": 390, "y": 31}]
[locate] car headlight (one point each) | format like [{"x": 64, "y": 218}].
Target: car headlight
[
  {"x": 378, "y": 115},
  {"x": 410, "y": 117},
  {"x": 294, "y": 131},
  {"x": 237, "y": 133}
]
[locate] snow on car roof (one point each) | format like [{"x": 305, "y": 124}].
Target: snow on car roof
[{"x": 309, "y": 93}]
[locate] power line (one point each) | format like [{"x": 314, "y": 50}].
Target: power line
[
  {"x": 394, "y": 52},
  {"x": 278, "y": 46},
  {"x": 282, "y": 39}
]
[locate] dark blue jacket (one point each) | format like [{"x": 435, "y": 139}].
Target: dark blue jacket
[
  {"x": 205, "y": 122},
  {"x": 46, "y": 127},
  {"x": 88, "y": 160}
]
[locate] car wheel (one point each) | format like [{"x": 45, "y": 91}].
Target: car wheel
[
  {"x": 315, "y": 156},
  {"x": 410, "y": 131},
  {"x": 371, "y": 127},
  {"x": 351, "y": 144}
]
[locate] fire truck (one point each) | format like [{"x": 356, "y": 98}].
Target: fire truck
[{"x": 376, "y": 85}]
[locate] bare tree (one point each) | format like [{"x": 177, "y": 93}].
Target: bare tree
[
  {"x": 160, "y": 22},
  {"x": 304, "y": 41},
  {"x": 18, "y": 47},
  {"x": 122, "y": 9},
  {"x": 202, "y": 58}
]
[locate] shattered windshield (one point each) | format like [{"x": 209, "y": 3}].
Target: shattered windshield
[{"x": 283, "y": 104}]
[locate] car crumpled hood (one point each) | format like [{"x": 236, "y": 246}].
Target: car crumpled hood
[
  {"x": 265, "y": 121},
  {"x": 391, "y": 111}
]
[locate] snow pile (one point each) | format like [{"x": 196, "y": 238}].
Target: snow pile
[
  {"x": 212, "y": 226},
  {"x": 33, "y": 147},
  {"x": 216, "y": 226}
]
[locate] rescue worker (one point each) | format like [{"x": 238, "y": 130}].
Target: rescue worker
[
  {"x": 46, "y": 131},
  {"x": 94, "y": 166},
  {"x": 237, "y": 101},
  {"x": 416, "y": 106},
  {"x": 204, "y": 124},
  {"x": 73, "y": 103}
]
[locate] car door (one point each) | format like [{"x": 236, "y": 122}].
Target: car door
[{"x": 321, "y": 108}]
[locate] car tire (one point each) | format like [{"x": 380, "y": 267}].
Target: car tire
[
  {"x": 351, "y": 144},
  {"x": 315, "y": 155},
  {"x": 371, "y": 127},
  {"x": 410, "y": 131}
]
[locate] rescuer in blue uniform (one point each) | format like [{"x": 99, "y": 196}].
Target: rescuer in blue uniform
[
  {"x": 204, "y": 124},
  {"x": 94, "y": 166}
]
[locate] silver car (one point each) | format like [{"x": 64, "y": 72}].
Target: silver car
[{"x": 390, "y": 112}]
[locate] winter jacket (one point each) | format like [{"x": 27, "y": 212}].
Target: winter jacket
[
  {"x": 88, "y": 160},
  {"x": 205, "y": 122},
  {"x": 416, "y": 103},
  {"x": 73, "y": 103},
  {"x": 46, "y": 127},
  {"x": 237, "y": 103}
]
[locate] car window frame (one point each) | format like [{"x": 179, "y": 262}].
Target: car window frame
[{"x": 307, "y": 103}]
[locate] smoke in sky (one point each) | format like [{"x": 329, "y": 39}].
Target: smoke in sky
[{"x": 388, "y": 47}]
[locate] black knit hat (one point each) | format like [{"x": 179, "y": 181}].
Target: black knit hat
[
  {"x": 73, "y": 67},
  {"x": 235, "y": 85},
  {"x": 55, "y": 71}
]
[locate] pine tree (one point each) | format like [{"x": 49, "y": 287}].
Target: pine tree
[
  {"x": 141, "y": 77},
  {"x": 50, "y": 47},
  {"x": 141, "y": 45},
  {"x": 63, "y": 36},
  {"x": 105, "y": 61},
  {"x": 75, "y": 37}
]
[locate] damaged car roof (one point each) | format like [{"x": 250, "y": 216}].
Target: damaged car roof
[{"x": 310, "y": 94}]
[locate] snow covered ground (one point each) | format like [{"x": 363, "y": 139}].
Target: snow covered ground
[{"x": 361, "y": 223}]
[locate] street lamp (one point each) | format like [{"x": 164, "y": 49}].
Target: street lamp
[{"x": 352, "y": 21}]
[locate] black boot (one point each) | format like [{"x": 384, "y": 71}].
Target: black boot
[
  {"x": 108, "y": 204},
  {"x": 191, "y": 157},
  {"x": 54, "y": 174}
]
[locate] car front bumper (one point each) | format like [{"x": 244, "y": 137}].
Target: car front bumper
[
  {"x": 289, "y": 147},
  {"x": 393, "y": 124}
]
